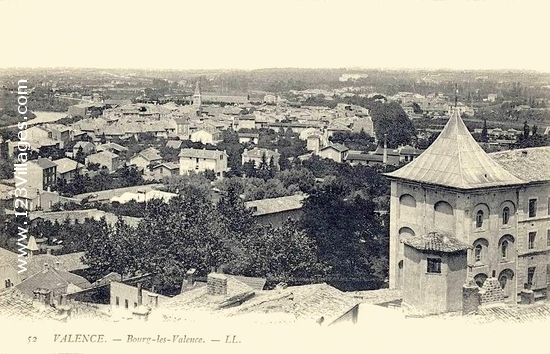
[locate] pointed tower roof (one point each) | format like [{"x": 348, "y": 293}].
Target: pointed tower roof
[
  {"x": 31, "y": 245},
  {"x": 456, "y": 160}
]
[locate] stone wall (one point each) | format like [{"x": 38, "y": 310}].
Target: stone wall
[
  {"x": 491, "y": 291},
  {"x": 470, "y": 298},
  {"x": 216, "y": 284}
]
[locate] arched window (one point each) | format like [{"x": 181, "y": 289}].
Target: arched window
[
  {"x": 406, "y": 231},
  {"x": 444, "y": 218},
  {"x": 479, "y": 218},
  {"x": 478, "y": 250},
  {"x": 407, "y": 205},
  {"x": 504, "y": 249},
  {"x": 505, "y": 215},
  {"x": 480, "y": 279}
]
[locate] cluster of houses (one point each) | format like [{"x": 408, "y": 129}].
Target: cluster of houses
[{"x": 431, "y": 106}]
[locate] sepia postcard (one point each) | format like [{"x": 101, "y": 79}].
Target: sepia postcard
[{"x": 274, "y": 176}]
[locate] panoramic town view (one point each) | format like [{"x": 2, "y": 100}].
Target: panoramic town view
[
  {"x": 165, "y": 191},
  {"x": 181, "y": 169}
]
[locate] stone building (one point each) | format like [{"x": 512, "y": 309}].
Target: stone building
[{"x": 498, "y": 204}]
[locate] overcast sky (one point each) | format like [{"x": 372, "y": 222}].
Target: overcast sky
[{"x": 213, "y": 34}]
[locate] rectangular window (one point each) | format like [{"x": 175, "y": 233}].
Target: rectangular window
[
  {"x": 530, "y": 275},
  {"x": 532, "y": 208},
  {"x": 548, "y": 238},
  {"x": 117, "y": 301},
  {"x": 126, "y": 303},
  {"x": 548, "y": 206},
  {"x": 434, "y": 265},
  {"x": 135, "y": 304},
  {"x": 532, "y": 237}
]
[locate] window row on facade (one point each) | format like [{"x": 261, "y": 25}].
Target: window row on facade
[
  {"x": 481, "y": 211},
  {"x": 505, "y": 247}
]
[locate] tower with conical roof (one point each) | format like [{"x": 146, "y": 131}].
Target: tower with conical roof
[{"x": 456, "y": 188}]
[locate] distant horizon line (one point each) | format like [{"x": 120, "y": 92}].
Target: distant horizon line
[{"x": 352, "y": 68}]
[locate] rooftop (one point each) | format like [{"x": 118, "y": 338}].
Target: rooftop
[
  {"x": 436, "y": 241},
  {"x": 82, "y": 215},
  {"x": 150, "y": 154},
  {"x": 259, "y": 152},
  {"x": 527, "y": 164},
  {"x": 201, "y": 153},
  {"x": 337, "y": 147},
  {"x": 14, "y": 305},
  {"x": 304, "y": 302},
  {"x": 65, "y": 165},
  {"x": 44, "y": 163},
  {"x": 276, "y": 205},
  {"x": 456, "y": 160},
  {"x": 108, "y": 194},
  {"x": 59, "y": 281}
]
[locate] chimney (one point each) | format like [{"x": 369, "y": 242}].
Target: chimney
[
  {"x": 190, "y": 276},
  {"x": 188, "y": 280},
  {"x": 57, "y": 265},
  {"x": 42, "y": 297},
  {"x": 153, "y": 300},
  {"x": 46, "y": 266},
  {"x": 139, "y": 294},
  {"x": 49, "y": 251},
  {"x": 216, "y": 284},
  {"x": 141, "y": 313}
]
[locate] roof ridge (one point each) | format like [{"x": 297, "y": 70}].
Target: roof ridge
[
  {"x": 462, "y": 182},
  {"x": 455, "y": 148}
]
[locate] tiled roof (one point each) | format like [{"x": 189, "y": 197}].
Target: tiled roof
[
  {"x": 55, "y": 280},
  {"x": 456, "y": 160},
  {"x": 104, "y": 153},
  {"x": 14, "y": 305},
  {"x": 304, "y": 302},
  {"x": 436, "y": 241},
  {"x": 276, "y": 205},
  {"x": 514, "y": 314},
  {"x": 9, "y": 256},
  {"x": 44, "y": 163},
  {"x": 69, "y": 262},
  {"x": 113, "y": 146},
  {"x": 65, "y": 165},
  {"x": 168, "y": 165},
  {"x": 337, "y": 147},
  {"x": 364, "y": 157},
  {"x": 532, "y": 164},
  {"x": 254, "y": 282},
  {"x": 259, "y": 152},
  {"x": 150, "y": 154},
  {"x": 201, "y": 153},
  {"x": 198, "y": 298}
]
